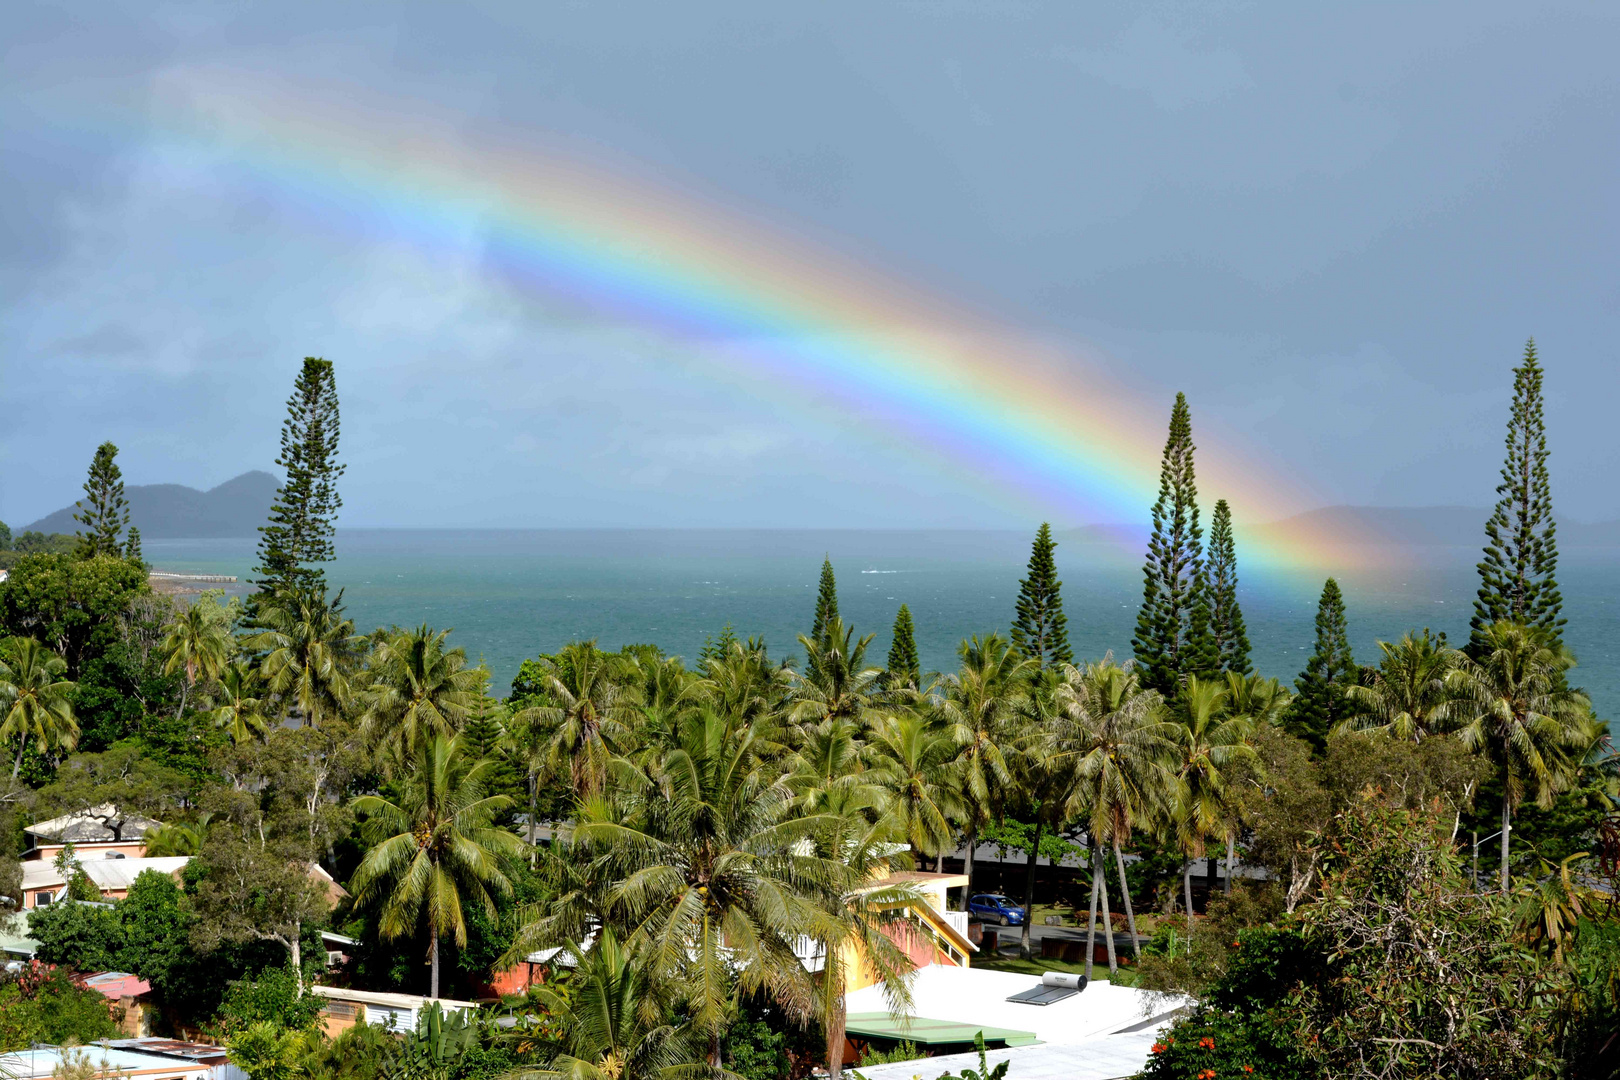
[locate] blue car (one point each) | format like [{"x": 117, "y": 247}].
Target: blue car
[{"x": 995, "y": 908}]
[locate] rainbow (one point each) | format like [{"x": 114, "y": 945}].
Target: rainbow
[{"x": 760, "y": 301}]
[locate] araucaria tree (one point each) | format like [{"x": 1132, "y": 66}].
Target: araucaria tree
[
  {"x": 103, "y": 511},
  {"x": 1517, "y": 575},
  {"x": 1040, "y": 631},
  {"x": 1225, "y": 617},
  {"x": 302, "y": 518},
  {"x": 826, "y": 609},
  {"x": 1322, "y": 701},
  {"x": 904, "y": 667},
  {"x": 1168, "y": 643}
]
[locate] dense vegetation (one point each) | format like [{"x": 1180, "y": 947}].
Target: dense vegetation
[{"x": 705, "y": 820}]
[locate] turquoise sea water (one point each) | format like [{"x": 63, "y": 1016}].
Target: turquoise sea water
[{"x": 510, "y": 594}]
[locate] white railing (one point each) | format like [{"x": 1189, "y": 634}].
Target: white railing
[{"x": 810, "y": 953}]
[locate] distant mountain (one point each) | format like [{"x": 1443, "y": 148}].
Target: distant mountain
[
  {"x": 170, "y": 511},
  {"x": 1426, "y": 526},
  {"x": 1397, "y": 526}
]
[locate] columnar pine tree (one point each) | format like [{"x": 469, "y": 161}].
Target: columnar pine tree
[
  {"x": 1517, "y": 579},
  {"x": 1173, "y": 576},
  {"x": 826, "y": 602},
  {"x": 903, "y": 666},
  {"x": 1226, "y": 618},
  {"x": 1041, "y": 631},
  {"x": 826, "y": 610},
  {"x": 302, "y": 518},
  {"x": 132, "y": 545},
  {"x": 1322, "y": 701},
  {"x": 103, "y": 511}
]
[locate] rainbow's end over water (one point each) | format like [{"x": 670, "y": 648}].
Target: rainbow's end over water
[{"x": 1006, "y": 411}]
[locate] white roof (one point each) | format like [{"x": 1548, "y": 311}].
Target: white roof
[
  {"x": 392, "y": 1001},
  {"x": 973, "y": 996},
  {"x": 1111, "y": 1057},
  {"x": 109, "y": 875}
]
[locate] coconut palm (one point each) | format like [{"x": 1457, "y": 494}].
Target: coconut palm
[
  {"x": 914, "y": 760},
  {"x": 1259, "y": 701},
  {"x": 415, "y": 689},
  {"x": 1212, "y": 743},
  {"x": 611, "y": 1021},
  {"x": 199, "y": 644},
  {"x": 1409, "y": 697},
  {"x": 177, "y": 838},
  {"x": 701, "y": 862},
  {"x": 743, "y": 685},
  {"x": 1123, "y": 753},
  {"x": 839, "y": 684},
  {"x": 592, "y": 710},
  {"x": 1516, "y": 710},
  {"x": 829, "y": 770},
  {"x": 979, "y": 708},
  {"x": 309, "y": 651},
  {"x": 435, "y": 849},
  {"x": 238, "y": 708},
  {"x": 35, "y": 698}
]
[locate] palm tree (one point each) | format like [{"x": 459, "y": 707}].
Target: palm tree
[
  {"x": 611, "y": 1021},
  {"x": 839, "y": 685},
  {"x": 829, "y": 770},
  {"x": 238, "y": 708},
  {"x": 178, "y": 838},
  {"x": 1518, "y": 713},
  {"x": 1409, "y": 697},
  {"x": 700, "y": 861},
  {"x": 35, "y": 698},
  {"x": 1123, "y": 755},
  {"x": 434, "y": 850},
  {"x": 199, "y": 643},
  {"x": 914, "y": 760},
  {"x": 1260, "y": 703},
  {"x": 743, "y": 685},
  {"x": 1212, "y": 742},
  {"x": 415, "y": 689},
  {"x": 979, "y": 707},
  {"x": 309, "y": 651},
  {"x": 592, "y": 712}
]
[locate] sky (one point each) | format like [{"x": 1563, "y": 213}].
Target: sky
[{"x": 1332, "y": 226}]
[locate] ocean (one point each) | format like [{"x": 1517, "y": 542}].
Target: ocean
[{"x": 512, "y": 594}]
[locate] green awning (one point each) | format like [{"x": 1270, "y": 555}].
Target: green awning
[{"x": 926, "y": 1032}]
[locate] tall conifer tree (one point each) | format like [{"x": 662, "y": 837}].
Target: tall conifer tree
[
  {"x": 1040, "y": 630},
  {"x": 1322, "y": 702},
  {"x": 302, "y": 519},
  {"x": 132, "y": 546},
  {"x": 904, "y": 667},
  {"x": 1226, "y": 618},
  {"x": 1173, "y": 576},
  {"x": 1517, "y": 576},
  {"x": 826, "y": 608},
  {"x": 103, "y": 511}
]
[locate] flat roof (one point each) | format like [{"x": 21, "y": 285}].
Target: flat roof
[
  {"x": 926, "y": 1032},
  {"x": 977, "y": 997},
  {"x": 1112, "y": 1057},
  {"x": 392, "y": 1001}
]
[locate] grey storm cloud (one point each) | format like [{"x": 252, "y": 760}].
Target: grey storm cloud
[{"x": 1333, "y": 226}]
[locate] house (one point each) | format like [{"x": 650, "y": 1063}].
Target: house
[
  {"x": 930, "y": 933},
  {"x": 96, "y": 832},
  {"x": 125, "y": 1059},
  {"x": 16, "y": 947},
  {"x": 112, "y": 874},
  {"x": 345, "y": 1008},
  {"x": 126, "y": 998},
  {"x": 1016, "y": 1013}
]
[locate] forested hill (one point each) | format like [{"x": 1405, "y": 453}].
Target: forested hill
[{"x": 165, "y": 511}]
